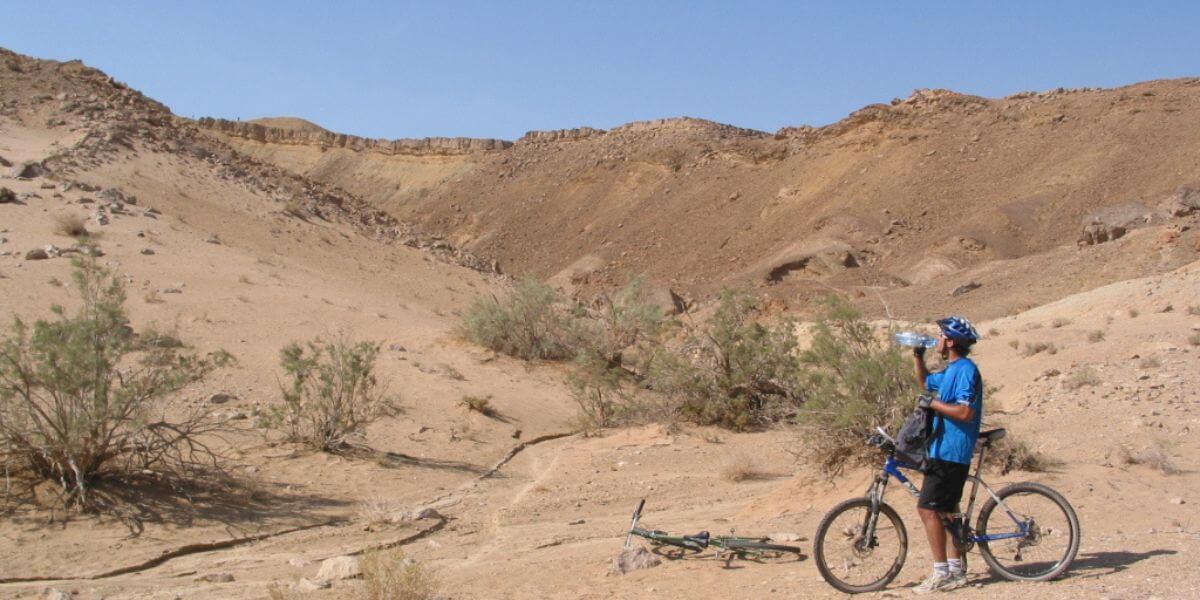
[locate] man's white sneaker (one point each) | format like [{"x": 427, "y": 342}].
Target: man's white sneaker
[
  {"x": 934, "y": 583},
  {"x": 957, "y": 580}
]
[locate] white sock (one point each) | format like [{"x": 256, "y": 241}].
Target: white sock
[
  {"x": 941, "y": 569},
  {"x": 954, "y": 565}
]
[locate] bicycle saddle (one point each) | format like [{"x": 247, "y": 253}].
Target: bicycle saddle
[
  {"x": 993, "y": 435},
  {"x": 700, "y": 538}
]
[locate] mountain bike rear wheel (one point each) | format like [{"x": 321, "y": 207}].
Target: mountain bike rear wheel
[
  {"x": 756, "y": 547},
  {"x": 1046, "y": 550},
  {"x": 847, "y": 559}
]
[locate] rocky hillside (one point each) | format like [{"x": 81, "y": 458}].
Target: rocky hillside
[{"x": 916, "y": 193}]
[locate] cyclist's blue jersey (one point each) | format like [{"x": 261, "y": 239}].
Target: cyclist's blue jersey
[{"x": 958, "y": 383}]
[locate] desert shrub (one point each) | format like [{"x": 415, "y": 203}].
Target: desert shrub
[
  {"x": 856, "y": 381},
  {"x": 732, "y": 370},
  {"x": 1010, "y": 453},
  {"x": 1014, "y": 344},
  {"x": 531, "y": 323},
  {"x": 1039, "y": 347},
  {"x": 79, "y": 403},
  {"x": 388, "y": 575},
  {"x": 70, "y": 225},
  {"x": 480, "y": 404},
  {"x": 332, "y": 393},
  {"x": 380, "y": 511},
  {"x": 1084, "y": 377},
  {"x": 598, "y": 388},
  {"x": 1095, "y": 336},
  {"x": 741, "y": 467},
  {"x": 1156, "y": 455},
  {"x": 620, "y": 320}
]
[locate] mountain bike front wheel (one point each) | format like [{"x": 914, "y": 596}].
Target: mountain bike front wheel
[
  {"x": 1043, "y": 528},
  {"x": 760, "y": 548},
  {"x": 848, "y": 559}
]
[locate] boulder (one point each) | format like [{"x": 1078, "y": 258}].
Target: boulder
[
  {"x": 312, "y": 585},
  {"x": 37, "y": 254},
  {"x": 634, "y": 559},
  {"x": 668, "y": 301},
  {"x": 28, "y": 170},
  {"x": 4, "y": 162},
  {"x": 1113, "y": 222},
  {"x": 338, "y": 568},
  {"x": 1185, "y": 201},
  {"x": 53, "y": 594},
  {"x": 7, "y": 196},
  {"x": 964, "y": 288}
]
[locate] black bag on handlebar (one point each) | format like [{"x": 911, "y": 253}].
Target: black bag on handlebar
[{"x": 915, "y": 436}]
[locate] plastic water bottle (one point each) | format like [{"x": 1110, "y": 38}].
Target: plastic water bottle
[{"x": 913, "y": 339}]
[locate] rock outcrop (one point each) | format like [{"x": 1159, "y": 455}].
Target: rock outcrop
[{"x": 327, "y": 139}]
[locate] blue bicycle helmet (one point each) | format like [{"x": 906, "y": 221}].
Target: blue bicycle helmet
[{"x": 958, "y": 329}]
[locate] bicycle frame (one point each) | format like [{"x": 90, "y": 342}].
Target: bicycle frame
[{"x": 892, "y": 468}]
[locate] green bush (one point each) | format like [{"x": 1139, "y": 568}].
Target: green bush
[
  {"x": 619, "y": 321},
  {"x": 79, "y": 401},
  {"x": 332, "y": 393},
  {"x": 731, "y": 371},
  {"x": 531, "y": 323},
  {"x": 856, "y": 381},
  {"x": 598, "y": 388}
]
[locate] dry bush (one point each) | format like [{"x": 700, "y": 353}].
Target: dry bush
[
  {"x": 1095, "y": 336},
  {"x": 1039, "y": 347},
  {"x": 1060, "y": 322},
  {"x": 388, "y": 575},
  {"x": 1155, "y": 455},
  {"x": 333, "y": 393},
  {"x": 1009, "y": 454},
  {"x": 1085, "y": 377},
  {"x": 531, "y": 323},
  {"x": 480, "y": 404},
  {"x": 598, "y": 389},
  {"x": 856, "y": 382},
  {"x": 619, "y": 321},
  {"x": 733, "y": 370},
  {"x": 380, "y": 511},
  {"x": 741, "y": 467},
  {"x": 80, "y": 401},
  {"x": 70, "y": 225},
  {"x": 1014, "y": 343}
]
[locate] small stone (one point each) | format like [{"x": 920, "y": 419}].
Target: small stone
[
  {"x": 634, "y": 559},
  {"x": 338, "y": 568},
  {"x": 170, "y": 290},
  {"x": 148, "y": 251},
  {"x": 397, "y": 348},
  {"x": 27, "y": 170},
  {"x": 1178, "y": 500},
  {"x": 299, "y": 561},
  {"x": 7, "y": 196},
  {"x": 785, "y": 537},
  {"x": 577, "y": 522},
  {"x": 37, "y": 254},
  {"x": 212, "y": 239},
  {"x": 216, "y": 578},
  {"x": 220, "y": 398},
  {"x": 53, "y": 594},
  {"x": 966, "y": 287}
]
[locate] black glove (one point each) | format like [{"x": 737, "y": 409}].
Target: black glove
[
  {"x": 924, "y": 400},
  {"x": 919, "y": 351}
]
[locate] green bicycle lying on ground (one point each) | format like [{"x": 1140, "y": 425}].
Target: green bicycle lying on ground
[
  {"x": 727, "y": 546},
  {"x": 856, "y": 551}
]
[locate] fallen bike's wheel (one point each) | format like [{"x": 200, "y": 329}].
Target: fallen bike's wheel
[
  {"x": 1046, "y": 550},
  {"x": 847, "y": 559},
  {"x": 764, "y": 549}
]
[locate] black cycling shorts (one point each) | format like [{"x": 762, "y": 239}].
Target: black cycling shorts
[{"x": 943, "y": 485}]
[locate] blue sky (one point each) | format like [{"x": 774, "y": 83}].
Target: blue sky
[{"x": 500, "y": 68}]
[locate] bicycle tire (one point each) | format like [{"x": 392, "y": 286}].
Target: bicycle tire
[
  {"x": 757, "y": 546},
  {"x": 819, "y": 546},
  {"x": 1056, "y": 568}
]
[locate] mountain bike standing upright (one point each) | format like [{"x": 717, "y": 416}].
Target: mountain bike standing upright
[{"x": 1025, "y": 532}]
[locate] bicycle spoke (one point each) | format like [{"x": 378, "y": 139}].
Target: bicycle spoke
[
  {"x": 854, "y": 559},
  {"x": 1046, "y": 545}
]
